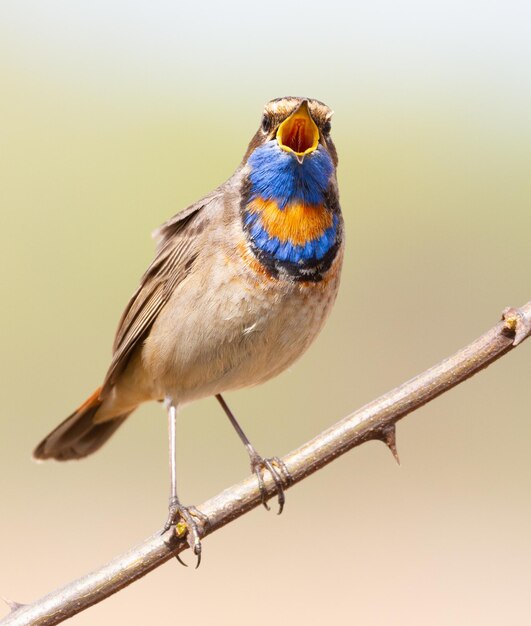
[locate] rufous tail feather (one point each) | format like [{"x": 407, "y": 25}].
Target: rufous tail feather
[{"x": 78, "y": 436}]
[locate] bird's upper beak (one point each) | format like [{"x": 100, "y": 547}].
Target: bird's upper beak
[{"x": 299, "y": 133}]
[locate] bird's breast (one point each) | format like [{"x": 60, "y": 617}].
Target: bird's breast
[{"x": 234, "y": 325}]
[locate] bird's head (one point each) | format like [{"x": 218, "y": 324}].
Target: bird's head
[{"x": 296, "y": 126}]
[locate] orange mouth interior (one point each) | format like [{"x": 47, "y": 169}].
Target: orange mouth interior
[{"x": 298, "y": 133}]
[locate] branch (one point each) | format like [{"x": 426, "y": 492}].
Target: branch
[{"x": 375, "y": 420}]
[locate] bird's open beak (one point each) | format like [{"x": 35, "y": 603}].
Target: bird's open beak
[{"x": 299, "y": 133}]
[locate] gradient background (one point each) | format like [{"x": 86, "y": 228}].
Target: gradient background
[{"x": 114, "y": 115}]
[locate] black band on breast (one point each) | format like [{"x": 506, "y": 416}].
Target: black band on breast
[{"x": 309, "y": 271}]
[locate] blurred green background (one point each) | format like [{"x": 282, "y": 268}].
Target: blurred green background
[{"x": 113, "y": 116}]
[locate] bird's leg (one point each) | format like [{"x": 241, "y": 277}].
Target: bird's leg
[
  {"x": 276, "y": 467},
  {"x": 176, "y": 510}
]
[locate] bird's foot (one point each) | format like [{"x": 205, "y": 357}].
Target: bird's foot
[
  {"x": 279, "y": 473},
  {"x": 183, "y": 520}
]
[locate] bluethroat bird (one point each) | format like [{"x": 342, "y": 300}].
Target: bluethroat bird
[{"x": 242, "y": 282}]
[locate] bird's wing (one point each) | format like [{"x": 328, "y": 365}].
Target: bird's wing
[{"x": 176, "y": 253}]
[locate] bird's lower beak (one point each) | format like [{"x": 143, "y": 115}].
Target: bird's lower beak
[{"x": 298, "y": 133}]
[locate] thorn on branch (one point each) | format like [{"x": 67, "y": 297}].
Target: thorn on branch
[
  {"x": 516, "y": 322},
  {"x": 388, "y": 436},
  {"x": 14, "y": 606}
]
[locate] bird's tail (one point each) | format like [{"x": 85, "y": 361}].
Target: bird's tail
[{"x": 78, "y": 436}]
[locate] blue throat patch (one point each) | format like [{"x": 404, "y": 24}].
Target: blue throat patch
[{"x": 277, "y": 177}]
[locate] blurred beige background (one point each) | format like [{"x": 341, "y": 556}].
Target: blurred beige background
[{"x": 115, "y": 115}]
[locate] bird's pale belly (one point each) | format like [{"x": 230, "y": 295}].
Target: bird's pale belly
[{"x": 239, "y": 330}]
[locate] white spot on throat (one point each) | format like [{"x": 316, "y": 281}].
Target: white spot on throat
[{"x": 249, "y": 329}]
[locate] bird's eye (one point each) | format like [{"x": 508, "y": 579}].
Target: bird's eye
[
  {"x": 266, "y": 124},
  {"x": 327, "y": 127}
]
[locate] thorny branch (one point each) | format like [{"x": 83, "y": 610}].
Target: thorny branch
[{"x": 375, "y": 420}]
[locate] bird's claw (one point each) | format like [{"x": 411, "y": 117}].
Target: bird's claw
[
  {"x": 517, "y": 323},
  {"x": 181, "y": 518},
  {"x": 279, "y": 473}
]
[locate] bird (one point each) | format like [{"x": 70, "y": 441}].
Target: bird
[{"x": 240, "y": 286}]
